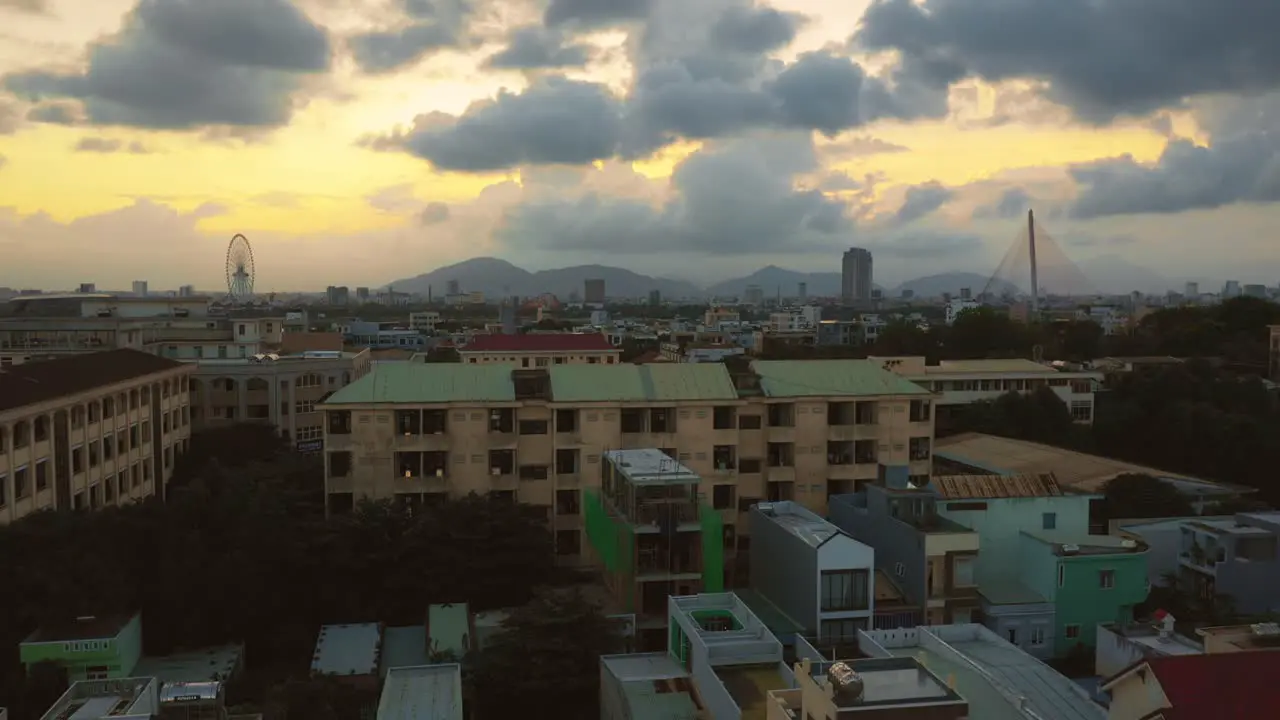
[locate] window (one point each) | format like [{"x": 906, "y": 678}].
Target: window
[
  {"x": 4, "y": 484},
  {"x": 1106, "y": 579},
  {"x": 1049, "y": 521},
  {"x": 304, "y": 406},
  {"x": 722, "y": 496},
  {"x": 962, "y": 571},
  {"x": 842, "y": 631},
  {"x": 42, "y": 474},
  {"x": 1013, "y": 636},
  {"x": 566, "y": 421},
  {"x": 1037, "y": 637},
  {"x": 1082, "y": 410},
  {"x": 1072, "y": 632},
  {"x": 844, "y": 590},
  {"x": 1062, "y": 574}
]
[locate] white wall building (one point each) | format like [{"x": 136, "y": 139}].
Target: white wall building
[
  {"x": 955, "y": 307},
  {"x": 812, "y": 571}
]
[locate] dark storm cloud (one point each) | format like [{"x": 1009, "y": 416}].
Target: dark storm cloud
[
  {"x": 562, "y": 121},
  {"x": 922, "y": 200},
  {"x": 385, "y": 51},
  {"x": 107, "y": 145},
  {"x": 1240, "y": 165},
  {"x": 434, "y": 25},
  {"x": 554, "y": 121},
  {"x": 1012, "y": 203},
  {"x": 536, "y": 47},
  {"x": 733, "y": 200},
  {"x": 54, "y": 113},
  {"x": 755, "y": 30},
  {"x": 1187, "y": 177},
  {"x": 700, "y": 76},
  {"x": 182, "y": 64},
  {"x": 1102, "y": 58},
  {"x": 925, "y": 245},
  {"x": 10, "y": 118},
  {"x": 595, "y": 13}
]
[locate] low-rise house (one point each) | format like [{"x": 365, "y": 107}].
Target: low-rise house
[
  {"x": 812, "y": 571},
  {"x": 1232, "y": 686},
  {"x": 998, "y": 679},
  {"x": 1234, "y": 557},
  {"x": 88, "y": 648},
  {"x": 890, "y": 688},
  {"x": 961, "y": 382},
  {"x": 999, "y": 508},
  {"x": 1089, "y": 579},
  {"x": 424, "y": 692},
  {"x": 115, "y": 699},
  {"x": 931, "y": 558}
]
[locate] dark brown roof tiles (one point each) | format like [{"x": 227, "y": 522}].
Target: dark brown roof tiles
[{"x": 45, "y": 380}]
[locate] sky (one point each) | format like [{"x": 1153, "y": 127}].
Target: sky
[{"x": 356, "y": 142}]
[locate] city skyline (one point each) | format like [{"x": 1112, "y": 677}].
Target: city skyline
[{"x": 356, "y": 145}]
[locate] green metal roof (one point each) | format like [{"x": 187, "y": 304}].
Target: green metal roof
[
  {"x": 818, "y": 378},
  {"x": 421, "y": 383},
  {"x": 656, "y": 382}
]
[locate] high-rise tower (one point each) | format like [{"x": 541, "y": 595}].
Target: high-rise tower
[{"x": 855, "y": 284}]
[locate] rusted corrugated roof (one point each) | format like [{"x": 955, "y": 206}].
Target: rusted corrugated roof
[{"x": 960, "y": 487}]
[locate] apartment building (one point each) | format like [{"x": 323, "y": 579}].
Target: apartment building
[
  {"x": 245, "y": 368},
  {"x": 812, "y": 572},
  {"x": 90, "y": 430},
  {"x": 930, "y": 559},
  {"x": 281, "y": 390},
  {"x": 654, "y": 535},
  {"x": 961, "y": 382},
  {"x": 775, "y": 431},
  {"x": 540, "y": 350}
]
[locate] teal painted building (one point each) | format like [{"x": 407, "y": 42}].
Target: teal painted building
[
  {"x": 1090, "y": 579},
  {"x": 88, "y": 648},
  {"x": 1035, "y": 594}
]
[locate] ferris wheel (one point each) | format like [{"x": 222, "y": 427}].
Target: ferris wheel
[{"x": 240, "y": 269}]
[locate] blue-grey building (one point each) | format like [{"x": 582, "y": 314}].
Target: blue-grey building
[
  {"x": 811, "y": 571},
  {"x": 1233, "y": 557},
  {"x": 929, "y": 558}
]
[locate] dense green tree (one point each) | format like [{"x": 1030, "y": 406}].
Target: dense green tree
[
  {"x": 547, "y": 655},
  {"x": 985, "y": 332},
  {"x": 1134, "y": 495},
  {"x": 1038, "y": 416},
  {"x": 900, "y": 338},
  {"x": 443, "y": 355},
  {"x": 241, "y": 551}
]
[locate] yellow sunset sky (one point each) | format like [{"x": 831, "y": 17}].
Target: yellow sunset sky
[{"x": 322, "y": 207}]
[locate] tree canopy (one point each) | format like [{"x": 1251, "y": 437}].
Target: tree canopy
[
  {"x": 1134, "y": 495},
  {"x": 241, "y": 551},
  {"x": 547, "y": 655}
]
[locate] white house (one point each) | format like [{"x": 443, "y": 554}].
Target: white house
[{"x": 815, "y": 574}]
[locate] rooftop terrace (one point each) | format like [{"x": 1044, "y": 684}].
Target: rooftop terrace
[
  {"x": 1074, "y": 543},
  {"x": 654, "y": 686},
  {"x": 726, "y": 629},
  {"x": 120, "y": 699},
  {"x": 650, "y": 466}
]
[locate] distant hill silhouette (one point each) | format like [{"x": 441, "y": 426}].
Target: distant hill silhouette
[{"x": 497, "y": 278}]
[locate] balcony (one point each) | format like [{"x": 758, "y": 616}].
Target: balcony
[{"x": 658, "y": 513}]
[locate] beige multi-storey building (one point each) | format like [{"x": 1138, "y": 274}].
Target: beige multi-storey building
[
  {"x": 90, "y": 430},
  {"x": 786, "y": 430},
  {"x": 540, "y": 350},
  {"x": 245, "y": 368}
]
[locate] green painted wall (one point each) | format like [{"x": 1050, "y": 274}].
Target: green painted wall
[
  {"x": 1082, "y": 601},
  {"x": 120, "y": 655}
]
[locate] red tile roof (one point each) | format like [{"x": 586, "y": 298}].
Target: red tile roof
[
  {"x": 1227, "y": 686},
  {"x": 539, "y": 342}
]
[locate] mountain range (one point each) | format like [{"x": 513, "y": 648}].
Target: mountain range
[{"x": 498, "y": 278}]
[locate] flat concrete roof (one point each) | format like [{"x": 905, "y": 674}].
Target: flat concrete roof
[
  {"x": 650, "y": 466},
  {"x": 353, "y": 649},
  {"x": 426, "y": 692}
]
